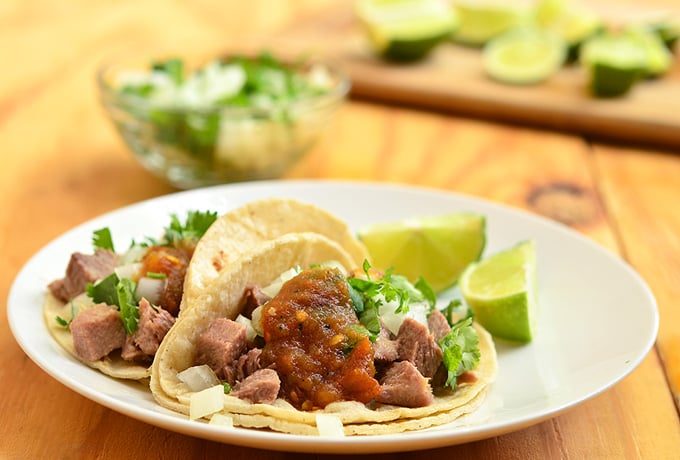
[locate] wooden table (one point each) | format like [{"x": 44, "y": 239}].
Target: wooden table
[{"x": 62, "y": 164}]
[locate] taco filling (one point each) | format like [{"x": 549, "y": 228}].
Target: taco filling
[
  {"x": 325, "y": 337},
  {"x": 113, "y": 308}
]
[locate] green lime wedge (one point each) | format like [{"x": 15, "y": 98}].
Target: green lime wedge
[
  {"x": 482, "y": 21},
  {"x": 501, "y": 291},
  {"x": 438, "y": 248},
  {"x": 574, "y": 23},
  {"x": 524, "y": 56},
  {"x": 658, "y": 58},
  {"x": 615, "y": 62},
  {"x": 406, "y": 30}
]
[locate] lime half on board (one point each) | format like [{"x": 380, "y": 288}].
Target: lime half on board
[
  {"x": 614, "y": 62},
  {"x": 406, "y": 30},
  {"x": 524, "y": 56},
  {"x": 480, "y": 21}
]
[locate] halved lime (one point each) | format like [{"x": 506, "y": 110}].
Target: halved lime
[
  {"x": 615, "y": 62},
  {"x": 659, "y": 58},
  {"x": 524, "y": 56},
  {"x": 482, "y": 21},
  {"x": 438, "y": 248},
  {"x": 406, "y": 30},
  {"x": 574, "y": 23},
  {"x": 501, "y": 291}
]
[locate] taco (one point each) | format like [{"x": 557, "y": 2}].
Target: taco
[
  {"x": 366, "y": 348},
  {"x": 112, "y": 309},
  {"x": 121, "y": 342}
]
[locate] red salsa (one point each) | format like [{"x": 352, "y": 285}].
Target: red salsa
[
  {"x": 316, "y": 343},
  {"x": 172, "y": 262}
]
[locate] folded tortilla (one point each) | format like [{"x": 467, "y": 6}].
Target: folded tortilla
[
  {"x": 237, "y": 232},
  {"x": 222, "y": 299}
]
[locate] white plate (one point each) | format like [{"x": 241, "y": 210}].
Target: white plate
[{"x": 597, "y": 318}]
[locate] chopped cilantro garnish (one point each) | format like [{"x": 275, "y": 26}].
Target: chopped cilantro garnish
[
  {"x": 62, "y": 321},
  {"x": 227, "y": 387},
  {"x": 173, "y": 67},
  {"x": 460, "y": 349},
  {"x": 104, "y": 290},
  {"x": 454, "y": 306},
  {"x": 156, "y": 275},
  {"x": 101, "y": 239},
  {"x": 195, "y": 225},
  {"x": 129, "y": 311},
  {"x": 369, "y": 294},
  {"x": 120, "y": 293}
]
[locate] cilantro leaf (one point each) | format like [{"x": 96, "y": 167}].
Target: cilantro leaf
[
  {"x": 62, "y": 322},
  {"x": 104, "y": 290},
  {"x": 460, "y": 349},
  {"x": 101, "y": 239},
  {"x": 120, "y": 293},
  {"x": 129, "y": 311},
  {"x": 195, "y": 225},
  {"x": 368, "y": 295},
  {"x": 173, "y": 67}
]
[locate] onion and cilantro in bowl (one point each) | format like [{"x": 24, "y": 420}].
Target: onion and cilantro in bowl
[{"x": 229, "y": 119}]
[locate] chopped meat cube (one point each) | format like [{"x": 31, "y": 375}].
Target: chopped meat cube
[
  {"x": 417, "y": 345},
  {"x": 154, "y": 323},
  {"x": 438, "y": 325},
  {"x": 220, "y": 345},
  {"x": 244, "y": 366},
  {"x": 97, "y": 331},
  {"x": 81, "y": 270},
  {"x": 403, "y": 385},
  {"x": 261, "y": 387}
]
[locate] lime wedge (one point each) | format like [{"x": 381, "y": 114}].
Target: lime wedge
[
  {"x": 406, "y": 30},
  {"x": 615, "y": 62},
  {"x": 524, "y": 56},
  {"x": 659, "y": 58},
  {"x": 501, "y": 291},
  {"x": 482, "y": 21},
  {"x": 438, "y": 248},
  {"x": 572, "y": 22}
]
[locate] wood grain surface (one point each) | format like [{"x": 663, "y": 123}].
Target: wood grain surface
[
  {"x": 63, "y": 164},
  {"x": 452, "y": 79}
]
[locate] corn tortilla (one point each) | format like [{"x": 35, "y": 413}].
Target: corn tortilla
[{"x": 222, "y": 299}]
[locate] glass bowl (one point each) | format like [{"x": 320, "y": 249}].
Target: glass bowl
[{"x": 185, "y": 123}]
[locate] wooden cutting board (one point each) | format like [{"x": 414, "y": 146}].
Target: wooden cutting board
[{"x": 452, "y": 79}]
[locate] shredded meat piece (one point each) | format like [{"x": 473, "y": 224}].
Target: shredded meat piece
[
  {"x": 154, "y": 323},
  {"x": 416, "y": 344}
]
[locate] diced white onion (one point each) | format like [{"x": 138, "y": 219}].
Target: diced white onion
[
  {"x": 206, "y": 402},
  {"x": 221, "y": 420},
  {"x": 199, "y": 378},
  {"x": 275, "y": 286},
  {"x": 134, "y": 254},
  {"x": 250, "y": 331},
  {"x": 256, "y": 321},
  {"x": 329, "y": 425},
  {"x": 150, "y": 289},
  {"x": 392, "y": 320},
  {"x": 129, "y": 270}
]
